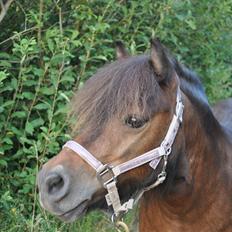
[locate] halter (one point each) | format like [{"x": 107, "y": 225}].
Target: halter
[{"x": 107, "y": 174}]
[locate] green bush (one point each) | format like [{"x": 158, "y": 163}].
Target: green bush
[{"x": 49, "y": 48}]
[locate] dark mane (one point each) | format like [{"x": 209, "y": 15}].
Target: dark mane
[
  {"x": 123, "y": 85},
  {"x": 191, "y": 84}
]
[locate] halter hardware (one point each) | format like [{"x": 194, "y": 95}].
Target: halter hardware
[
  {"x": 123, "y": 225},
  {"x": 107, "y": 174}
]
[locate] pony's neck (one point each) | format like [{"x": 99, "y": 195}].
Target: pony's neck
[{"x": 201, "y": 197}]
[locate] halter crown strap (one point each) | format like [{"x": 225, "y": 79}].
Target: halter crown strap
[{"x": 107, "y": 174}]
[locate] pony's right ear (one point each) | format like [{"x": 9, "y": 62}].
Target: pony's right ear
[
  {"x": 161, "y": 61},
  {"x": 121, "y": 51}
]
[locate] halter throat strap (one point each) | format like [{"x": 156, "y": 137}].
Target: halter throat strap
[{"x": 107, "y": 174}]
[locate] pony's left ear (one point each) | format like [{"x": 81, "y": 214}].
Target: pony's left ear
[
  {"x": 121, "y": 51},
  {"x": 161, "y": 61}
]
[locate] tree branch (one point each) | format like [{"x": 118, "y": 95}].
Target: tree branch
[{"x": 4, "y": 8}]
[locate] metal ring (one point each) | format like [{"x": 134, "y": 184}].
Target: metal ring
[
  {"x": 123, "y": 225},
  {"x": 113, "y": 218},
  {"x": 168, "y": 151}
]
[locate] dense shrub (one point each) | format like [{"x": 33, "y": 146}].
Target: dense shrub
[{"x": 49, "y": 48}]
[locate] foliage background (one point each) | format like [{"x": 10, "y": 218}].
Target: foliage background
[{"x": 49, "y": 47}]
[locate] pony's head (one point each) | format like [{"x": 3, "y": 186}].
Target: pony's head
[{"x": 122, "y": 111}]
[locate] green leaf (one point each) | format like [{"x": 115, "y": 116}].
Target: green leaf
[
  {"x": 16, "y": 131},
  {"x": 37, "y": 122},
  {"x": 57, "y": 59},
  {"x": 30, "y": 83},
  {"x": 4, "y": 55},
  {"x": 7, "y": 140},
  {"x": 8, "y": 103},
  {"x": 3, "y": 76},
  {"x": 25, "y": 140},
  {"x": 28, "y": 95},
  {"x": 64, "y": 96},
  {"x": 3, "y": 163},
  {"x": 29, "y": 128},
  {"x": 14, "y": 83},
  {"x": 191, "y": 24},
  {"x": 47, "y": 90},
  {"x": 5, "y": 64},
  {"x": 100, "y": 57},
  {"x": 42, "y": 106},
  {"x": 51, "y": 45},
  {"x": 26, "y": 188},
  {"x": 19, "y": 114},
  {"x": 38, "y": 71}
]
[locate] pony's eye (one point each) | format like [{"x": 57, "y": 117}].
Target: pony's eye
[{"x": 134, "y": 121}]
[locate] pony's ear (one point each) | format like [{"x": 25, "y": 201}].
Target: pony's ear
[
  {"x": 160, "y": 61},
  {"x": 121, "y": 51}
]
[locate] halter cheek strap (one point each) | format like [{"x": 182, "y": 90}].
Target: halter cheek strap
[{"x": 107, "y": 174}]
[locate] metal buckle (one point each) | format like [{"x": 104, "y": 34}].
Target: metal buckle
[
  {"x": 105, "y": 175},
  {"x": 167, "y": 148},
  {"x": 161, "y": 177}
]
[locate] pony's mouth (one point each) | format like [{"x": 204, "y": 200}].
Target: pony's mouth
[{"x": 75, "y": 213}]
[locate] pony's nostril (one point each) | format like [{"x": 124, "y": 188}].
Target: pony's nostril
[{"x": 55, "y": 183}]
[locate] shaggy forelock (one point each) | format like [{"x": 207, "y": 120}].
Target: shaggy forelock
[{"x": 114, "y": 91}]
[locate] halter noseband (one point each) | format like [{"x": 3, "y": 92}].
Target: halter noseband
[{"x": 107, "y": 174}]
